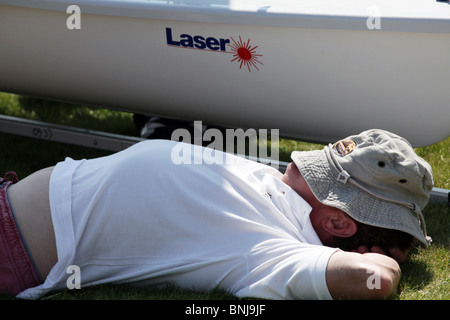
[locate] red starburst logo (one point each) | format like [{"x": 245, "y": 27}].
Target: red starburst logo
[{"x": 245, "y": 54}]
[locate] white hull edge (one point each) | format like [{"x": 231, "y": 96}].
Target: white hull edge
[{"x": 311, "y": 80}]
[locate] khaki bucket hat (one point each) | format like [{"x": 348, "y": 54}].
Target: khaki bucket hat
[{"x": 375, "y": 177}]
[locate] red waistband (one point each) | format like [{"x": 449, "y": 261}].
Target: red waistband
[{"x": 17, "y": 272}]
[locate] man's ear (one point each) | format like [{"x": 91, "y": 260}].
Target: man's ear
[{"x": 340, "y": 224}]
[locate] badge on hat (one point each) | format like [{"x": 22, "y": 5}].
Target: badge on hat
[{"x": 344, "y": 147}]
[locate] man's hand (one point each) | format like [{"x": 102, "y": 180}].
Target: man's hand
[{"x": 395, "y": 253}]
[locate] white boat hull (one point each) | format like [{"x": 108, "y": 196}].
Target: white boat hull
[{"x": 313, "y": 77}]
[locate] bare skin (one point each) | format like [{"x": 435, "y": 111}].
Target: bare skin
[{"x": 29, "y": 199}]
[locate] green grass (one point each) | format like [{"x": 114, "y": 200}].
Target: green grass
[{"x": 426, "y": 273}]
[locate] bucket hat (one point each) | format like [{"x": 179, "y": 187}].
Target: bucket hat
[{"x": 375, "y": 177}]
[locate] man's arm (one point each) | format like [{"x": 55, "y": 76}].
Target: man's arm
[{"x": 370, "y": 275}]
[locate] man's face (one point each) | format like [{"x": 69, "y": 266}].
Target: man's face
[{"x": 295, "y": 180}]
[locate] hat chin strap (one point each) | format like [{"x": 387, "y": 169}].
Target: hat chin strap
[{"x": 344, "y": 177}]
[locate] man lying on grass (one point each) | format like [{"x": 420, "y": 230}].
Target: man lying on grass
[{"x": 335, "y": 225}]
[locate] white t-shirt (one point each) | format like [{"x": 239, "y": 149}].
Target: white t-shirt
[{"x": 138, "y": 217}]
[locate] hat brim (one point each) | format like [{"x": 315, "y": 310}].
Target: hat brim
[{"x": 358, "y": 204}]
